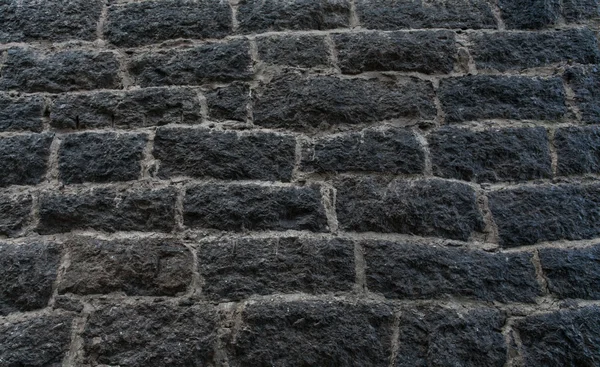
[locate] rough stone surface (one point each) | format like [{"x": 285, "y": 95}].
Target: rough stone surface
[
  {"x": 235, "y": 269},
  {"x": 27, "y": 273},
  {"x": 100, "y": 157},
  {"x": 254, "y": 207},
  {"x": 512, "y": 154},
  {"x": 37, "y": 341},
  {"x": 21, "y": 113},
  {"x": 24, "y": 159},
  {"x": 578, "y": 150},
  {"x": 301, "y": 103},
  {"x": 296, "y": 51},
  {"x": 427, "y": 52},
  {"x": 157, "y": 334},
  {"x": 567, "y": 338},
  {"x": 313, "y": 333},
  {"x": 224, "y": 154},
  {"x": 426, "y": 207},
  {"x": 510, "y": 97},
  {"x": 529, "y": 14},
  {"x": 373, "y": 150},
  {"x": 148, "y": 22},
  {"x": 580, "y": 10},
  {"x": 422, "y": 271},
  {"x": 15, "y": 213},
  {"x": 228, "y": 103},
  {"x": 585, "y": 82},
  {"x": 148, "y": 267},
  {"x": 526, "y": 215}
]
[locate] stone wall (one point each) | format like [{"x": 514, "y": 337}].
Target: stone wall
[{"x": 299, "y": 183}]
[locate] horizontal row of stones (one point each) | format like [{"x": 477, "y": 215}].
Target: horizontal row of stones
[{"x": 147, "y": 22}]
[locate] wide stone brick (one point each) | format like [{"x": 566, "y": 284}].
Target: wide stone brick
[
  {"x": 130, "y": 109},
  {"x": 28, "y": 70},
  {"x": 585, "y": 82},
  {"x": 211, "y": 62},
  {"x": 302, "y": 51},
  {"x": 15, "y": 212},
  {"x": 234, "y": 207},
  {"x": 400, "y": 14},
  {"x": 150, "y": 267},
  {"x": 24, "y": 159},
  {"x": 578, "y": 150},
  {"x": 427, "y": 207},
  {"x": 511, "y": 154},
  {"x": 421, "y": 51},
  {"x": 531, "y": 214},
  {"x": 391, "y": 150},
  {"x": 301, "y": 103},
  {"x": 529, "y": 14},
  {"x": 563, "y": 338},
  {"x": 21, "y": 113},
  {"x": 257, "y": 16},
  {"x": 228, "y": 102},
  {"x": 224, "y": 154},
  {"x": 580, "y": 10},
  {"x": 236, "y": 269},
  {"x": 36, "y": 341},
  {"x": 572, "y": 273},
  {"x": 34, "y": 20},
  {"x": 101, "y": 157},
  {"x": 437, "y": 336},
  {"x": 27, "y": 273},
  {"x": 108, "y": 209},
  {"x": 141, "y": 23},
  {"x": 312, "y": 333},
  {"x": 157, "y": 334},
  {"x": 422, "y": 271},
  {"x": 510, "y": 97},
  {"x": 521, "y": 50}
]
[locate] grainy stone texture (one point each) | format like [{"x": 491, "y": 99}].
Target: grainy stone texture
[
  {"x": 529, "y": 14},
  {"x": 21, "y": 113},
  {"x": 238, "y": 268},
  {"x": 578, "y": 150},
  {"x": 580, "y": 10},
  {"x": 24, "y": 159},
  {"x": 585, "y": 82},
  {"x": 296, "y": 51},
  {"x": 15, "y": 212},
  {"x": 229, "y": 102}
]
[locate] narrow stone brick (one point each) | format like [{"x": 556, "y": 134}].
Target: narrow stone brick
[
  {"x": 401, "y": 14},
  {"x": 21, "y": 113},
  {"x": 529, "y": 14},
  {"x": 15, "y": 212},
  {"x": 391, "y": 150},
  {"x": 27, "y": 70},
  {"x": 585, "y": 82},
  {"x": 572, "y": 273},
  {"x": 34, "y": 20},
  {"x": 527, "y": 215},
  {"x": 142, "y": 23},
  {"x": 427, "y": 52},
  {"x": 313, "y": 333},
  {"x": 301, "y": 103},
  {"x": 211, "y": 62},
  {"x": 578, "y": 150},
  {"x": 510, "y": 97},
  {"x": 511, "y": 154},
  {"x": 258, "y": 16},
  {"x": 580, "y": 10},
  {"x": 437, "y": 336},
  {"x": 236, "y": 269},
  {"x": 108, "y": 209},
  {"x": 237, "y": 207},
  {"x": 296, "y": 51},
  {"x": 24, "y": 159},
  {"x": 36, "y": 340},
  {"x": 229, "y": 102},
  {"x": 27, "y": 273},
  {"x": 563, "y": 338},
  {"x": 224, "y": 154},
  {"x": 521, "y": 50},
  {"x": 151, "y": 267},
  {"x": 130, "y": 109},
  {"x": 421, "y": 271},
  {"x": 156, "y": 334},
  {"x": 427, "y": 207}
]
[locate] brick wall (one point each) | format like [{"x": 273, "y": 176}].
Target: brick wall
[{"x": 299, "y": 183}]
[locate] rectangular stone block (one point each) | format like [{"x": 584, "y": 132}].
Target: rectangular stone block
[
  {"x": 529, "y": 14},
  {"x": 108, "y": 209},
  {"x": 580, "y": 10},
  {"x": 142, "y": 23},
  {"x": 578, "y": 150},
  {"x": 425, "y": 207},
  {"x": 491, "y": 155},
  {"x": 428, "y": 52},
  {"x": 235, "y": 207},
  {"x": 319, "y": 102},
  {"x": 24, "y": 159},
  {"x": 224, "y": 154},
  {"x": 585, "y": 82},
  {"x": 228, "y": 102},
  {"x": 301, "y": 51},
  {"x": 238, "y": 268},
  {"x": 423, "y": 271},
  {"x": 527, "y": 215},
  {"x": 21, "y": 113},
  {"x": 509, "y": 97},
  {"x": 15, "y": 212}
]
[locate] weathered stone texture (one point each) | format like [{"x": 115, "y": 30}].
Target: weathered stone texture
[
  {"x": 529, "y": 14},
  {"x": 24, "y": 159},
  {"x": 229, "y": 102},
  {"x": 15, "y": 212},
  {"x": 21, "y": 113},
  {"x": 578, "y": 150},
  {"x": 585, "y": 82},
  {"x": 296, "y": 51}
]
